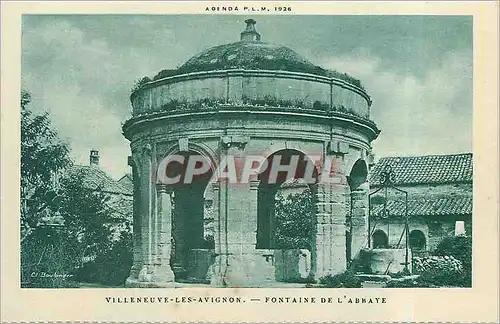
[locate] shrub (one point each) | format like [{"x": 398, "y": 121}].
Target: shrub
[
  {"x": 361, "y": 262},
  {"x": 442, "y": 263},
  {"x": 111, "y": 268},
  {"x": 347, "y": 279},
  {"x": 294, "y": 220},
  {"x": 459, "y": 247},
  {"x": 414, "y": 283},
  {"x": 139, "y": 83}
]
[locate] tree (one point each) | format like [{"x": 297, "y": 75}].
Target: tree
[
  {"x": 43, "y": 155},
  {"x": 51, "y": 191},
  {"x": 295, "y": 220}
]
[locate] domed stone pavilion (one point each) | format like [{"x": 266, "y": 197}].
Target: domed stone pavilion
[{"x": 248, "y": 98}]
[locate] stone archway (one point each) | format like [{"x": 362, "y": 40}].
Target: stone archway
[
  {"x": 188, "y": 207},
  {"x": 380, "y": 239},
  {"x": 357, "y": 221},
  {"x": 269, "y": 184},
  {"x": 417, "y": 241}
]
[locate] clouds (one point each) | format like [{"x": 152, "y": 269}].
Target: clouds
[
  {"x": 417, "y": 70},
  {"x": 431, "y": 114},
  {"x": 74, "y": 78}
]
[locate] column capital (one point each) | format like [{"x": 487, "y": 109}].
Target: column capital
[
  {"x": 337, "y": 148},
  {"x": 215, "y": 185},
  {"x": 254, "y": 184},
  {"x": 163, "y": 188}
]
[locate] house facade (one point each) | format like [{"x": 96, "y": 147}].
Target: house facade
[{"x": 440, "y": 200}]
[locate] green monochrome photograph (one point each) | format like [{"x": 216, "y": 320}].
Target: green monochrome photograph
[
  {"x": 246, "y": 151},
  {"x": 240, "y": 162}
]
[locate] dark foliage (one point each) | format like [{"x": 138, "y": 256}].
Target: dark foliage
[
  {"x": 295, "y": 220},
  {"x": 140, "y": 82},
  {"x": 347, "y": 279},
  {"x": 110, "y": 268},
  {"x": 459, "y": 247},
  {"x": 43, "y": 155},
  {"x": 48, "y": 259},
  {"x": 62, "y": 221},
  {"x": 257, "y": 63}
]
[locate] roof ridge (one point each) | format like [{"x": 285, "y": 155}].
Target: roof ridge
[{"x": 422, "y": 156}]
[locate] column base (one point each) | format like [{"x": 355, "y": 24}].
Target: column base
[
  {"x": 152, "y": 276},
  {"x": 136, "y": 283},
  {"x": 243, "y": 270}
]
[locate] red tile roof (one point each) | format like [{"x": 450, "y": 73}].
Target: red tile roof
[
  {"x": 432, "y": 206},
  {"x": 430, "y": 169}
]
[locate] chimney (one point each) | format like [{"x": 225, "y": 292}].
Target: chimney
[
  {"x": 94, "y": 157},
  {"x": 250, "y": 34}
]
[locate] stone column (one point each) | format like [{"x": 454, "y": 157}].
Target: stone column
[
  {"x": 330, "y": 249},
  {"x": 145, "y": 275},
  {"x": 219, "y": 268},
  {"x": 137, "y": 224},
  {"x": 162, "y": 272},
  {"x": 359, "y": 219},
  {"x": 235, "y": 263}
]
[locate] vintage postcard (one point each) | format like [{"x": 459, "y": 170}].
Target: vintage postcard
[{"x": 249, "y": 162}]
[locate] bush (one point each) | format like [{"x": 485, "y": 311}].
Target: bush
[
  {"x": 414, "y": 283},
  {"x": 295, "y": 220},
  {"x": 139, "y": 83},
  {"x": 459, "y": 247},
  {"x": 442, "y": 263},
  {"x": 111, "y": 268},
  {"x": 439, "y": 271},
  {"x": 47, "y": 259},
  {"x": 347, "y": 279}
]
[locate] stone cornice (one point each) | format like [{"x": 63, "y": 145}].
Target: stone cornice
[{"x": 368, "y": 125}]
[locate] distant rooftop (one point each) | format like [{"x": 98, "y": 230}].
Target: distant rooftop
[
  {"x": 96, "y": 179},
  {"x": 439, "y": 206},
  {"x": 429, "y": 169}
]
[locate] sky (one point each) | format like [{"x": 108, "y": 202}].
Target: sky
[{"x": 417, "y": 70}]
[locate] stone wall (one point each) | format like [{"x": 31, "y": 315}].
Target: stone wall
[
  {"x": 433, "y": 228},
  {"x": 238, "y": 86},
  {"x": 387, "y": 261}
]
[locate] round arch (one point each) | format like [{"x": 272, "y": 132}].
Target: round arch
[
  {"x": 358, "y": 174},
  {"x": 380, "y": 239},
  {"x": 269, "y": 184},
  {"x": 417, "y": 240}
]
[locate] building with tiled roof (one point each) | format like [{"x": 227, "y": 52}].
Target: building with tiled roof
[
  {"x": 429, "y": 169},
  {"x": 120, "y": 194},
  {"x": 96, "y": 179},
  {"x": 439, "y": 191},
  {"x": 127, "y": 182}
]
